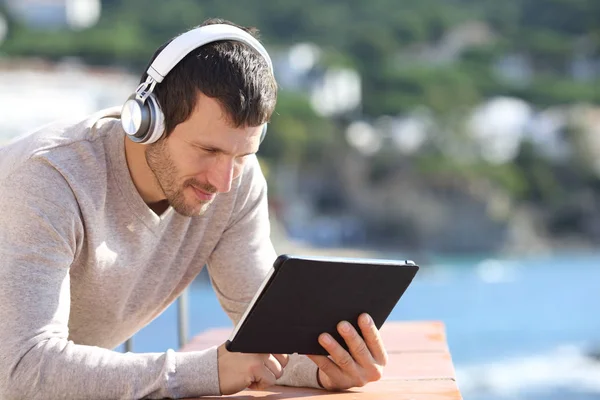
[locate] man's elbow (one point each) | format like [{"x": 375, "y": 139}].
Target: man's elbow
[
  {"x": 19, "y": 378},
  {"x": 15, "y": 389}
]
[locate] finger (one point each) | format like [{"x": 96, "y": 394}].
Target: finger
[
  {"x": 325, "y": 364},
  {"x": 273, "y": 365},
  {"x": 282, "y": 358},
  {"x": 329, "y": 368},
  {"x": 358, "y": 349},
  {"x": 263, "y": 380},
  {"x": 262, "y": 376},
  {"x": 372, "y": 339},
  {"x": 338, "y": 354}
]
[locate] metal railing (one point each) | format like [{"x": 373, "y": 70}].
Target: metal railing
[{"x": 182, "y": 322}]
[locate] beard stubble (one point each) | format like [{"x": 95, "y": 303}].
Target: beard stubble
[{"x": 167, "y": 176}]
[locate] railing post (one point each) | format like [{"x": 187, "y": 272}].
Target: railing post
[
  {"x": 129, "y": 345},
  {"x": 182, "y": 318},
  {"x": 182, "y": 322}
]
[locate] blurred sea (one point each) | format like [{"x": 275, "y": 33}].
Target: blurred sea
[{"x": 517, "y": 328}]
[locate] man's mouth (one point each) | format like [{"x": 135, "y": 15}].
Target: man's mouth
[{"x": 202, "y": 195}]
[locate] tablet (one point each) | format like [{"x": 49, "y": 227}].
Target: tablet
[{"x": 302, "y": 297}]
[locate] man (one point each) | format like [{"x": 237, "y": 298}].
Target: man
[{"x": 100, "y": 233}]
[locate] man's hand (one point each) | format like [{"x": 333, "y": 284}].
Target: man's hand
[
  {"x": 238, "y": 371},
  {"x": 363, "y": 364}
]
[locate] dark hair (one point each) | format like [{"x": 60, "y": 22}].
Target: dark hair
[{"x": 231, "y": 72}]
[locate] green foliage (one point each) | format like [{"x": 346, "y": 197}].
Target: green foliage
[
  {"x": 390, "y": 43},
  {"x": 378, "y": 37},
  {"x": 296, "y": 133}
]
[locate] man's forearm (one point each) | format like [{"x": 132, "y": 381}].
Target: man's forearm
[{"x": 55, "y": 368}]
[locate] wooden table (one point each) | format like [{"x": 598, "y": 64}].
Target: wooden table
[{"x": 419, "y": 367}]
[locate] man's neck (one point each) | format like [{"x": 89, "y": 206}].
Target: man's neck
[
  {"x": 160, "y": 207},
  {"x": 142, "y": 176}
]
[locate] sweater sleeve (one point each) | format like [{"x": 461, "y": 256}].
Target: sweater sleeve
[
  {"x": 40, "y": 235},
  {"x": 243, "y": 257}
]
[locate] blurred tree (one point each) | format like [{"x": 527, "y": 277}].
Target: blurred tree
[{"x": 445, "y": 55}]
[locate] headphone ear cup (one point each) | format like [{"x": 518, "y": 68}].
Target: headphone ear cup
[
  {"x": 143, "y": 122},
  {"x": 135, "y": 118},
  {"x": 157, "y": 120},
  {"x": 263, "y": 133}
]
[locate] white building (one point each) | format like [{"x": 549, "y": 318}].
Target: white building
[{"x": 52, "y": 14}]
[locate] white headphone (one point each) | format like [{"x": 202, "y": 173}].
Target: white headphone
[{"x": 141, "y": 116}]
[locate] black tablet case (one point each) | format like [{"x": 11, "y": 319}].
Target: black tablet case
[{"x": 307, "y": 296}]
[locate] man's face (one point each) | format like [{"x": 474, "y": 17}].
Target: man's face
[{"x": 201, "y": 157}]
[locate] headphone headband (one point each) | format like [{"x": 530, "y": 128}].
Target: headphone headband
[{"x": 183, "y": 44}]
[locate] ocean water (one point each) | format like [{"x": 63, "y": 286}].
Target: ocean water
[{"x": 517, "y": 328}]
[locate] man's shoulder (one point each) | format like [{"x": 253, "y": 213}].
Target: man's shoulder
[
  {"x": 66, "y": 145},
  {"x": 61, "y": 161},
  {"x": 249, "y": 188},
  {"x": 252, "y": 180}
]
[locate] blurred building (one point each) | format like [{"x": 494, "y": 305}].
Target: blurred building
[
  {"x": 54, "y": 14},
  {"x": 333, "y": 91},
  {"x": 55, "y": 91}
]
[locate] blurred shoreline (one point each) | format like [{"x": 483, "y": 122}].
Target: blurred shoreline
[{"x": 410, "y": 213}]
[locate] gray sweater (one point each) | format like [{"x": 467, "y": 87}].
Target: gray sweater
[{"x": 84, "y": 264}]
